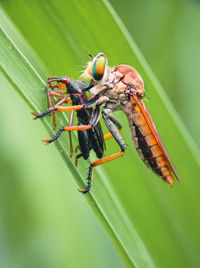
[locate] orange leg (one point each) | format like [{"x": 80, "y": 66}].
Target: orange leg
[
  {"x": 77, "y": 156},
  {"x": 76, "y": 159},
  {"x": 60, "y": 86},
  {"x": 57, "y": 94},
  {"x": 63, "y": 100},
  {"x": 72, "y": 128},
  {"x": 76, "y": 149},
  {"x": 96, "y": 163},
  {"x": 106, "y": 137},
  {"x": 59, "y": 109},
  {"x": 52, "y": 92}
]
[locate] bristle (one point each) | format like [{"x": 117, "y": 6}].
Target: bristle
[
  {"x": 85, "y": 74},
  {"x": 90, "y": 55}
]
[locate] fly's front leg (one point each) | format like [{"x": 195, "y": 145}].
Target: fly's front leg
[
  {"x": 96, "y": 100},
  {"x": 113, "y": 130},
  {"x": 117, "y": 124}
]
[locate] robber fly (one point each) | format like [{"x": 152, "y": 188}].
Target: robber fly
[
  {"x": 122, "y": 88},
  {"x": 90, "y": 135}
]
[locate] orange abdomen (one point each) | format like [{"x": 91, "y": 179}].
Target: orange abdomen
[{"x": 147, "y": 146}]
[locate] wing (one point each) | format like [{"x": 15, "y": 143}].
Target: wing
[{"x": 150, "y": 123}]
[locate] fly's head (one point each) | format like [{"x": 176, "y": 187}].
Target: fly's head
[{"x": 97, "y": 70}]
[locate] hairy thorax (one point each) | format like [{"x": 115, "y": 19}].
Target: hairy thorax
[{"x": 117, "y": 86}]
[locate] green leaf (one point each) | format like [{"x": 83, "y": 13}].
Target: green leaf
[
  {"x": 22, "y": 76},
  {"x": 146, "y": 220}
]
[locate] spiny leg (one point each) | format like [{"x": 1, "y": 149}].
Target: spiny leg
[
  {"x": 59, "y": 109},
  {"x": 72, "y": 128},
  {"x": 117, "y": 124},
  {"x": 111, "y": 127},
  {"x": 97, "y": 163},
  {"x": 47, "y": 141}
]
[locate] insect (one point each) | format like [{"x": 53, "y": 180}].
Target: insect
[
  {"x": 90, "y": 133},
  {"x": 122, "y": 88}
]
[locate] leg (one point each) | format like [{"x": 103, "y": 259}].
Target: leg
[
  {"x": 117, "y": 124},
  {"x": 60, "y": 96},
  {"x": 94, "y": 120},
  {"x": 51, "y": 104},
  {"x": 117, "y": 137},
  {"x": 62, "y": 100},
  {"x": 76, "y": 159},
  {"x": 57, "y": 94},
  {"x": 113, "y": 130},
  {"x": 59, "y": 109},
  {"x": 49, "y": 98},
  {"x": 70, "y": 136},
  {"x": 72, "y": 128},
  {"x": 92, "y": 102},
  {"x": 97, "y": 163}
]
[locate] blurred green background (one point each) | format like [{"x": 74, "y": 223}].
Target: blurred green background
[{"x": 44, "y": 221}]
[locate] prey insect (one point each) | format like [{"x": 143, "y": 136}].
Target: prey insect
[
  {"x": 122, "y": 88},
  {"x": 90, "y": 135}
]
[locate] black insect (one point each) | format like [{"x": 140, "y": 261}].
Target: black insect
[{"x": 90, "y": 135}]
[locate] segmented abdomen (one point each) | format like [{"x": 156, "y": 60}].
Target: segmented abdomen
[{"x": 147, "y": 145}]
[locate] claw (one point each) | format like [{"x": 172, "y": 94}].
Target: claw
[
  {"x": 46, "y": 141},
  {"x": 83, "y": 191},
  {"x": 35, "y": 114}
]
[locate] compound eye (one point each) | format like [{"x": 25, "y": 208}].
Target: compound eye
[{"x": 98, "y": 68}]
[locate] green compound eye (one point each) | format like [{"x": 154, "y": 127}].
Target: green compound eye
[{"x": 98, "y": 68}]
